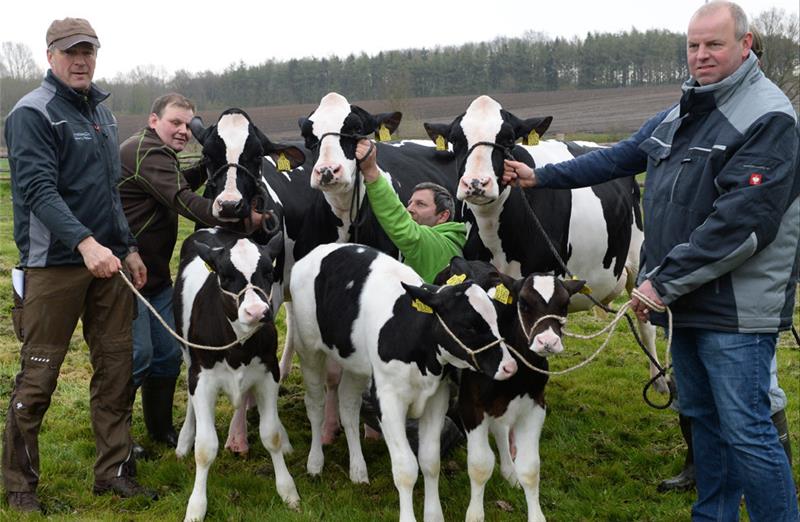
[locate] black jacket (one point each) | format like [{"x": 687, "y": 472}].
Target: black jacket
[{"x": 64, "y": 157}]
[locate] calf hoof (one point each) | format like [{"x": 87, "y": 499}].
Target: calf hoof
[
  {"x": 358, "y": 473},
  {"x": 195, "y": 512},
  {"x": 314, "y": 464}
]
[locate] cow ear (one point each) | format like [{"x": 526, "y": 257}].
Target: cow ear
[
  {"x": 275, "y": 246},
  {"x": 422, "y": 293},
  {"x": 211, "y": 255},
  {"x": 439, "y": 133},
  {"x": 387, "y": 124},
  {"x": 525, "y": 128},
  {"x": 199, "y": 132},
  {"x": 285, "y": 155},
  {"x": 573, "y": 286},
  {"x": 459, "y": 265}
]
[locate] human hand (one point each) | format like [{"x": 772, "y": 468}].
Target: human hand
[
  {"x": 135, "y": 265},
  {"x": 100, "y": 261},
  {"x": 641, "y": 310},
  {"x": 518, "y": 173},
  {"x": 367, "y": 156}
]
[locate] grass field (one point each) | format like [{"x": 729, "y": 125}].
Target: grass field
[{"x": 603, "y": 450}]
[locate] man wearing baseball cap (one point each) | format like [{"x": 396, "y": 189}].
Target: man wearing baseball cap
[{"x": 72, "y": 238}]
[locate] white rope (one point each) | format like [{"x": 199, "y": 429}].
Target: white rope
[
  {"x": 175, "y": 334},
  {"x": 469, "y": 351},
  {"x": 610, "y": 328}
]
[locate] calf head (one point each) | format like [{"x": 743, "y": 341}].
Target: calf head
[
  {"x": 244, "y": 273},
  {"x": 467, "y": 328},
  {"x": 233, "y": 150},
  {"x": 481, "y": 139},
  {"x": 539, "y": 296},
  {"x": 332, "y": 132}
]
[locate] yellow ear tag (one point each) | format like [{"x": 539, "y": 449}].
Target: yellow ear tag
[
  {"x": 532, "y": 138},
  {"x": 384, "y": 134},
  {"x": 421, "y": 307},
  {"x": 456, "y": 279},
  {"x": 441, "y": 144},
  {"x": 502, "y": 295},
  {"x": 208, "y": 267},
  {"x": 283, "y": 163}
]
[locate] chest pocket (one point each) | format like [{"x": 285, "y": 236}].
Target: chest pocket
[{"x": 687, "y": 184}]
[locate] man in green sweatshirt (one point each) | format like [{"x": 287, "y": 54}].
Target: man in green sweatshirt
[{"x": 423, "y": 231}]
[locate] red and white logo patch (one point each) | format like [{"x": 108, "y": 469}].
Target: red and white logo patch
[{"x": 756, "y": 178}]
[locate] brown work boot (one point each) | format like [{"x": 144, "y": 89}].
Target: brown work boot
[
  {"x": 125, "y": 487},
  {"x": 24, "y": 501}
]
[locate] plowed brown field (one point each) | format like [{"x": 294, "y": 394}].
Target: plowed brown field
[{"x": 573, "y": 111}]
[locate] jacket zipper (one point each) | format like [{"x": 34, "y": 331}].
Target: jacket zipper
[{"x": 684, "y": 162}]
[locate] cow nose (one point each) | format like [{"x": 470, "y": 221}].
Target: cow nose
[
  {"x": 327, "y": 173},
  {"x": 547, "y": 344},
  {"x": 231, "y": 208},
  {"x": 255, "y": 311},
  {"x": 510, "y": 368}
]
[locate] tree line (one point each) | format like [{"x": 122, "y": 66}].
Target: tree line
[{"x": 532, "y": 62}]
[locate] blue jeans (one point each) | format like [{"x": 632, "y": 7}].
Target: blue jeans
[
  {"x": 155, "y": 351},
  {"x": 724, "y": 381}
]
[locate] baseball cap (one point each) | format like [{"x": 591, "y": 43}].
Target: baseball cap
[{"x": 70, "y": 31}]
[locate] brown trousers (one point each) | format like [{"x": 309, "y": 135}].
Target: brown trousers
[{"x": 55, "y": 298}]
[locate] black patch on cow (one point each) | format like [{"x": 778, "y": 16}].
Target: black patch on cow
[
  {"x": 407, "y": 337},
  {"x": 337, "y": 289},
  {"x": 616, "y": 199}
]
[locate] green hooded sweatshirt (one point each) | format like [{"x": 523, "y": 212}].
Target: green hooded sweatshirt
[{"x": 425, "y": 249}]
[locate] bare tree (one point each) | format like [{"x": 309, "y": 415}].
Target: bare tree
[
  {"x": 16, "y": 62},
  {"x": 780, "y": 33}
]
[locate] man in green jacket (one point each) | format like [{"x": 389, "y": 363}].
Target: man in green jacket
[{"x": 422, "y": 231}]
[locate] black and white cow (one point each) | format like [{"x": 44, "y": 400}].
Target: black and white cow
[
  {"x": 238, "y": 157},
  {"x": 596, "y": 230},
  {"x": 515, "y": 405},
  {"x": 373, "y": 315},
  {"x": 221, "y": 296}
]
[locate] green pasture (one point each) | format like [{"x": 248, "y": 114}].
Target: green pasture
[{"x": 603, "y": 449}]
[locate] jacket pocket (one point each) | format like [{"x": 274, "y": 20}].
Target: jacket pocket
[{"x": 688, "y": 179}]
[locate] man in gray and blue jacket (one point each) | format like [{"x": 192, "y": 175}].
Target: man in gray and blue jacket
[{"x": 721, "y": 250}]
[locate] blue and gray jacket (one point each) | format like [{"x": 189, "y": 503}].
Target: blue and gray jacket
[
  {"x": 722, "y": 214},
  {"x": 63, "y": 153}
]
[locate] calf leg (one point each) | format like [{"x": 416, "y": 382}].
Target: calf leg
[
  {"x": 430, "y": 432},
  {"x": 312, "y": 364},
  {"x": 270, "y": 429},
  {"x": 480, "y": 464},
  {"x": 186, "y": 436},
  {"x": 404, "y": 463},
  {"x": 351, "y": 389},
  {"x": 332, "y": 378},
  {"x": 205, "y": 446},
  {"x": 237, "y": 431},
  {"x": 502, "y": 438},
  {"x": 527, "y": 463},
  {"x": 288, "y": 345}
]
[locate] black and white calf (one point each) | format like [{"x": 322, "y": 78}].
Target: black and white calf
[
  {"x": 239, "y": 159},
  {"x": 373, "y": 315},
  {"x": 596, "y": 230},
  {"x": 515, "y": 405},
  {"x": 221, "y": 296}
]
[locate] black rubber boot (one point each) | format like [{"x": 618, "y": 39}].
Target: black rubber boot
[
  {"x": 684, "y": 480},
  {"x": 779, "y": 420},
  {"x": 157, "y": 397}
]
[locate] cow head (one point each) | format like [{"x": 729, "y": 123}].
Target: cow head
[
  {"x": 467, "y": 328},
  {"x": 332, "y": 132},
  {"x": 244, "y": 272},
  {"x": 482, "y": 138},
  {"x": 538, "y": 296},
  {"x": 233, "y": 150}
]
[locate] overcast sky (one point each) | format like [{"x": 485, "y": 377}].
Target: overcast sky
[{"x": 199, "y": 36}]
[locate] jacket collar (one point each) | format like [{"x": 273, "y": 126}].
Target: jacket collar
[
  {"x": 704, "y": 98},
  {"x": 95, "y": 96}
]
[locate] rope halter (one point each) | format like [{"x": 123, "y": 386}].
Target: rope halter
[{"x": 472, "y": 353}]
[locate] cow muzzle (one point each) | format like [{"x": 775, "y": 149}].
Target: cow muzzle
[
  {"x": 478, "y": 190},
  {"x": 547, "y": 343},
  {"x": 328, "y": 175}
]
